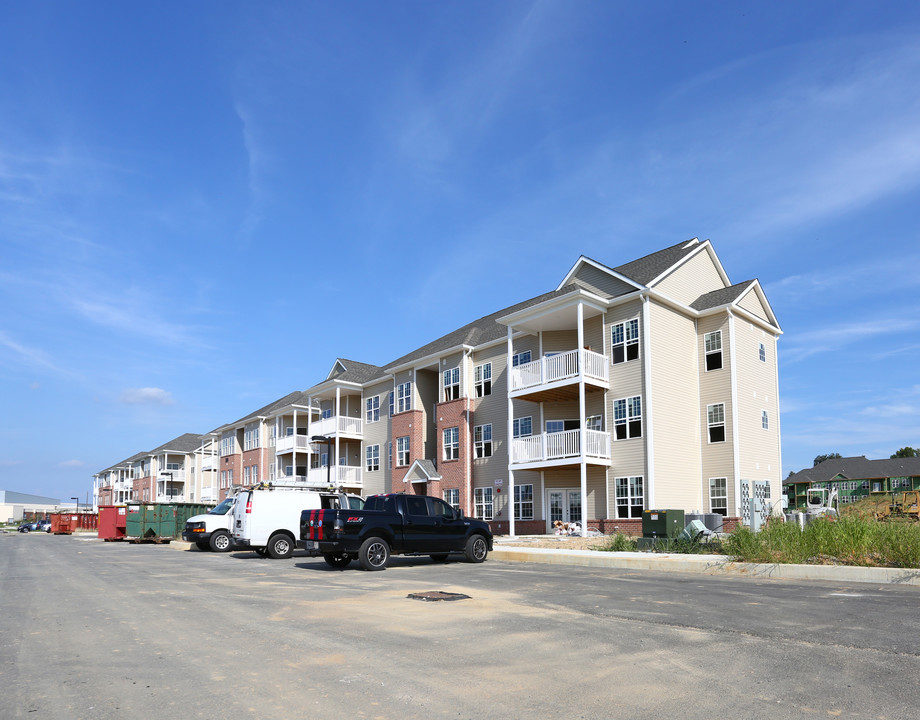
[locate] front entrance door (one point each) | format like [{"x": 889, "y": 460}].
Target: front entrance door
[{"x": 564, "y": 505}]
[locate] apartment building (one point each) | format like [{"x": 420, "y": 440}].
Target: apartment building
[{"x": 651, "y": 384}]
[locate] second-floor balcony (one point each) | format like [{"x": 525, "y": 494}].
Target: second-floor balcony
[
  {"x": 560, "y": 448},
  {"x": 560, "y": 371},
  {"x": 348, "y": 476},
  {"x": 338, "y": 425},
  {"x": 290, "y": 443}
]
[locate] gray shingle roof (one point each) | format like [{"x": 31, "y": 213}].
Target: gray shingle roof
[
  {"x": 722, "y": 296},
  {"x": 294, "y": 398},
  {"x": 358, "y": 372},
  {"x": 857, "y": 468},
  {"x": 189, "y": 442},
  {"x": 478, "y": 332},
  {"x": 647, "y": 268}
]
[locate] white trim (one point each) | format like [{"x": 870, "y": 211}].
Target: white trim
[
  {"x": 646, "y": 334},
  {"x": 736, "y": 440},
  {"x": 584, "y": 260}
]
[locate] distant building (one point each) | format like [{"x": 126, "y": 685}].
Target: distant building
[
  {"x": 854, "y": 478},
  {"x": 15, "y": 505}
]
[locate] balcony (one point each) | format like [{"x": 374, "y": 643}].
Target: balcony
[
  {"x": 560, "y": 448},
  {"x": 554, "y": 377},
  {"x": 345, "y": 475},
  {"x": 290, "y": 443},
  {"x": 338, "y": 425},
  {"x": 170, "y": 496}
]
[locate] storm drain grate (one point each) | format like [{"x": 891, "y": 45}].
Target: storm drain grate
[{"x": 436, "y": 595}]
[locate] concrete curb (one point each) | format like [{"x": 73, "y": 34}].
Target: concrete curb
[{"x": 707, "y": 565}]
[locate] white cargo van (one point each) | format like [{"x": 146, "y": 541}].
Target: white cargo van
[
  {"x": 268, "y": 520},
  {"x": 211, "y": 531}
]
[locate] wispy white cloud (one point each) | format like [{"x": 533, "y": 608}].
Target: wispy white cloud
[
  {"x": 146, "y": 396},
  {"x": 807, "y": 343},
  {"x": 72, "y": 464},
  {"x": 28, "y": 355}
]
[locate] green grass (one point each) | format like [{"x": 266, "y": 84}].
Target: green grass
[{"x": 848, "y": 540}]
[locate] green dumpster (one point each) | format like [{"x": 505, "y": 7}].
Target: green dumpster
[{"x": 160, "y": 521}]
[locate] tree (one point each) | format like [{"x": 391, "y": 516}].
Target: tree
[
  {"x": 906, "y": 452},
  {"x": 830, "y": 456}
]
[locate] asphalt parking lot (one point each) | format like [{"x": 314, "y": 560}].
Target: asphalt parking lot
[{"x": 90, "y": 629}]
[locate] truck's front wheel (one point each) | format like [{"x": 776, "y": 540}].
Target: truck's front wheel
[
  {"x": 220, "y": 541},
  {"x": 476, "y": 549},
  {"x": 374, "y": 554}
]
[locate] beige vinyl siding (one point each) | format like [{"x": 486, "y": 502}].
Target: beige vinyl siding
[
  {"x": 569, "y": 478},
  {"x": 695, "y": 277},
  {"x": 675, "y": 404},
  {"x": 759, "y": 449},
  {"x": 601, "y": 282},
  {"x": 377, "y": 433},
  {"x": 594, "y": 333},
  {"x": 529, "y": 477},
  {"x": 752, "y": 304},
  {"x": 626, "y": 380},
  {"x": 558, "y": 341},
  {"x": 492, "y": 409},
  {"x": 715, "y": 387}
]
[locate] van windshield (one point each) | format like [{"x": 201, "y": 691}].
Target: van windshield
[{"x": 223, "y": 508}]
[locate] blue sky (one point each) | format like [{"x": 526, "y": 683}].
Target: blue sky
[{"x": 203, "y": 204}]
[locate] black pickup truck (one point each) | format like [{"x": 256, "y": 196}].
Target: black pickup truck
[{"x": 396, "y": 524}]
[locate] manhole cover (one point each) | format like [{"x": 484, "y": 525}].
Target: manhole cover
[{"x": 438, "y": 595}]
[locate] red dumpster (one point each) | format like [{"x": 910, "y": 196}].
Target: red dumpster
[
  {"x": 112, "y": 522},
  {"x": 64, "y": 523},
  {"x": 88, "y": 521}
]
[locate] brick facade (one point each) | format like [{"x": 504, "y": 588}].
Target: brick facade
[
  {"x": 409, "y": 424},
  {"x": 454, "y": 413}
]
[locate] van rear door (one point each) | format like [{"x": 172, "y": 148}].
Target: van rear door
[{"x": 242, "y": 512}]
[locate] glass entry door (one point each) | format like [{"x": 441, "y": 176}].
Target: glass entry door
[{"x": 564, "y": 505}]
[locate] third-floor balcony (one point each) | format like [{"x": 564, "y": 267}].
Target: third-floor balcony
[
  {"x": 347, "y": 476},
  {"x": 556, "y": 377},
  {"x": 560, "y": 448},
  {"x": 289, "y": 443}
]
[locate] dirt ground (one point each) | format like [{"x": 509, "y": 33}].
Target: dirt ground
[{"x": 555, "y": 542}]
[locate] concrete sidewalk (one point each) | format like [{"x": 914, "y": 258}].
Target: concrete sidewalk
[{"x": 704, "y": 564}]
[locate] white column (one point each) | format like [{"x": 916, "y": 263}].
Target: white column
[
  {"x": 510, "y": 439},
  {"x": 582, "y": 412}
]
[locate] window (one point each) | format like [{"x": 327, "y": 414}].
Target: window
[
  {"x": 718, "y": 496},
  {"x": 452, "y": 497},
  {"x": 763, "y": 352},
  {"x": 630, "y": 497},
  {"x": 452, "y": 443},
  {"x": 764, "y": 420},
  {"x": 521, "y": 358},
  {"x": 452, "y": 384},
  {"x": 251, "y": 438},
  {"x": 555, "y": 426},
  {"x": 713, "y": 344},
  {"x": 627, "y": 418},
  {"x": 402, "y": 451},
  {"x": 372, "y": 458},
  {"x": 624, "y": 341},
  {"x": 595, "y": 422},
  {"x": 482, "y": 441},
  {"x": 226, "y": 445},
  {"x": 389, "y": 456},
  {"x": 482, "y": 379},
  {"x": 372, "y": 409},
  {"x": 391, "y": 403},
  {"x": 523, "y": 427},
  {"x": 439, "y": 508},
  {"x": 523, "y": 502},
  {"x": 403, "y": 397},
  {"x": 715, "y": 418},
  {"x": 173, "y": 466},
  {"x": 482, "y": 503}
]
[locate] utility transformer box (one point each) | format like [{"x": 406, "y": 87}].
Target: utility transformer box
[{"x": 662, "y": 523}]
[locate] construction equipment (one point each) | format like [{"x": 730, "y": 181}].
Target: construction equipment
[
  {"x": 820, "y": 503},
  {"x": 905, "y": 505}
]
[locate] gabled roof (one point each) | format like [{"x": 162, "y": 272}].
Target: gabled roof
[
  {"x": 722, "y": 296},
  {"x": 354, "y": 371},
  {"x": 421, "y": 471},
  {"x": 481, "y": 331},
  {"x": 857, "y": 468},
  {"x": 646, "y": 269},
  {"x": 182, "y": 444},
  {"x": 134, "y": 458},
  {"x": 298, "y": 397}
]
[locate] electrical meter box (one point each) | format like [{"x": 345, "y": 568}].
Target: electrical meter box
[{"x": 662, "y": 523}]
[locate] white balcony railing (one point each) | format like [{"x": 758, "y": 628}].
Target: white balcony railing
[
  {"x": 559, "y": 446},
  {"x": 347, "y": 475},
  {"x": 289, "y": 443},
  {"x": 171, "y": 476},
  {"x": 340, "y": 424},
  {"x": 564, "y": 366},
  {"x": 170, "y": 497}
]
